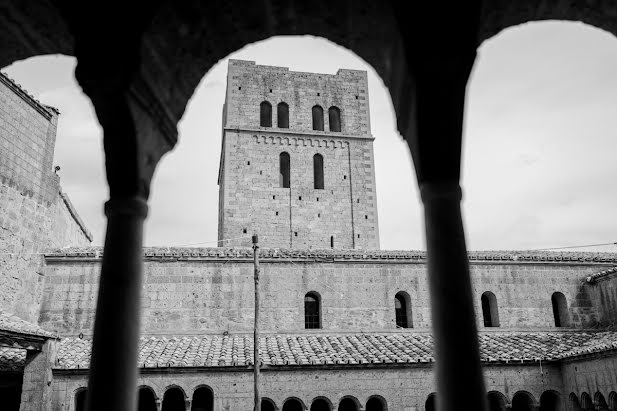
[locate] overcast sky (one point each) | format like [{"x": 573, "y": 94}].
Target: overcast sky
[{"x": 539, "y": 167}]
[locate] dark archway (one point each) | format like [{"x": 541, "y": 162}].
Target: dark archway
[
  {"x": 523, "y": 401},
  {"x": 600, "y": 401},
  {"x": 490, "y": 310},
  {"x": 402, "y": 310},
  {"x": 282, "y": 115},
  {"x": 174, "y": 400},
  {"x": 348, "y": 404},
  {"x": 146, "y": 400},
  {"x": 312, "y": 310},
  {"x": 81, "y": 396},
  {"x": 318, "y": 179},
  {"x": 334, "y": 117},
  {"x": 560, "y": 310},
  {"x": 550, "y": 401},
  {"x": 586, "y": 402},
  {"x": 431, "y": 402},
  {"x": 265, "y": 114},
  {"x": 575, "y": 405},
  {"x": 10, "y": 398},
  {"x": 267, "y": 405},
  {"x": 612, "y": 401},
  {"x": 496, "y": 401},
  {"x": 317, "y": 118},
  {"x": 293, "y": 404},
  {"x": 284, "y": 170},
  {"x": 203, "y": 399},
  {"x": 376, "y": 404},
  {"x": 321, "y": 404}
]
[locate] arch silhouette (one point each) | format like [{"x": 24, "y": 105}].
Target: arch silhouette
[
  {"x": 560, "y": 310},
  {"x": 490, "y": 309},
  {"x": 146, "y": 398},
  {"x": 496, "y": 401},
  {"x": 523, "y": 401},
  {"x": 376, "y": 403},
  {"x": 321, "y": 404}
]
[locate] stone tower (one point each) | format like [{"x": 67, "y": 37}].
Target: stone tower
[{"x": 297, "y": 162}]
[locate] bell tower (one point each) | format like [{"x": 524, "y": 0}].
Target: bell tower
[{"x": 297, "y": 163}]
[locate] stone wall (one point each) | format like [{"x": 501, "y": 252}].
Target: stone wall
[
  {"x": 403, "y": 388},
  {"x": 603, "y": 291},
  {"x": 188, "y": 296},
  {"x": 34, "y": 215},
  {"x": 596, "y": 374},
  {"x": 341, "y": 215}
]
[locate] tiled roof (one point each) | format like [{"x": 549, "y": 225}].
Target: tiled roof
[
  {"x": 13, "y": 324},
  {"x": 244, "y": 253},
  {"x": 602, "y": 275},
  {"x": 12, "y": 359},
  {"x": 331, "y": 349}
]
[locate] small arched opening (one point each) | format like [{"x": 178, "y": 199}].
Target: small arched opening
[
  {"x": 523, "y": 401},
  {"x": 334, "y": 117},
  {"x": 146, "y": 399},
  {"x": 490, "y": 311},
  {"x": 312, "y": 310},
  {"x": 318, "y": 180},
  {"x": 402, "y": 310},
  {"x": 612, "y": 401},
  {"x": 265, "y": 114},
  {"x": 203, "y": 399},
  {"x": 550, "y": 401},
  {"x": 376, "y": 403},
  {"x": 317, "y": 118},
  {"x": 174, "y": 400},
  {"x": 600, "y": 401},
  {"x": 282, "y": 115},
  {"x": 348, "y": 404},
  {"x": 496, "y": 401},
  {"x": 284, "y": 170},
  {"x": 321, "y": 404},
  {"x": 575, "y": 404},
  {"x": 81, "y": 396},
  {"x": 431, "y": 402},
  {"x": 560, "y": 310},
  {"x": 586, "y": 402},
  {"x": 267, "y": 405},
  {"x": 293, "y": 404}
]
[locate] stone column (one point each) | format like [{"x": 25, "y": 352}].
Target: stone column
[
  {"x": 113, "y": 371},
  {"x": 37, "y": 386}
]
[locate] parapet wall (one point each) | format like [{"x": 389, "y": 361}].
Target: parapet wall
[{"x": 211, "y": 290}]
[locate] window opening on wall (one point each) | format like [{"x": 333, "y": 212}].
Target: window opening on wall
[
  {"x": 317, "y": 198},
  {"x": 300, "y": 198},
  {"x": 282, "y": 115},
  {"x": 260, "y": 172},
  {"x": 274, "y": 197},
  {"x": 296, "y": 233},
  {"x": 270, "y": 90},
  {"x": 318, "y": 94},
  {"x": 560, "y": 309},
  {"x": 402, "y": 310},
  {"x": 248, "y": 163},
  {"x": 318, "y": 215},
  {"x": 277, "y": 213},
  {"x": 344, "y": 177},
  {"x": 317, "y": 118},
  {"x": 244, "y": 231},
  {"x": 366, "y": 217},
  {"x": 203, "y": 400},
  {"x": 490, "y": 312},
  {"x": 358, "y": 235},
  {"x": 331, "y": 241},
  {"x": 239, "y": 88},
  {"x": 312, "y": 311},
  {"x": 334, "y": 115},
  {"x": 284, "y": 170},
  {"x": 265, "y": 114},
  {"x": 318, "y": 180}
]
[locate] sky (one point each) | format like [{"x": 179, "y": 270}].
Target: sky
[{"x": 538, "y": 170}]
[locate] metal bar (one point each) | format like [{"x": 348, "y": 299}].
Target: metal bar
[
  {"x": 256, "y": 329},
  {"x": 459, "y": 374},
  {"x": 112, "y": 382}
]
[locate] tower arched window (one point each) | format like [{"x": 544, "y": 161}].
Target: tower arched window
[
  {"x": 265, "y": 114},
  {"x": 317, "y": 118},
  {"x": 312, "y": 311},
  {"x": 284, "y": 167},
  {"x": 490, "y": 312},
  {"x": 318, "y": 171},
  {"x": 334, "y": 115},
  {"x": 80, "y": 399},
  {"x": 282, "y": 115},
  {"x": 402, "y": 309},
  {"x": 560, "y": 309}
]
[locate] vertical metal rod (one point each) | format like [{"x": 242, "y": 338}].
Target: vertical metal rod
[
  {"x": 112, "y": 381},
  {"x": 256, "y": 328},
  {"x": 459, "y": 374}
]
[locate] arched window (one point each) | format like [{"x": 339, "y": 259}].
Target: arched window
[
  {"x": 375, "y": 404},
  {"x": 431, "y": 402},
  {"x": 265, "y": 114},
  {"x": 284, "y": 167},
  {"x": 496, "y": 401},
  {"x": 402, "y": 310},
  {"x": 202, "y": 400},
  {"x": 311, "y": 311},
  {"x": 612, "y": 401},
  {"x": 318, "y": 171},
  {"x": 334, "y": 115},
  {"x": 550, "y": 401},
  {"x": 81, "y": 397},
  {"x": 317, "y": 118},
  {"x": 348, "y": 404},
  {"x": 282, "y": 115},
  {"x": 293, "y": 404},
  {"x": 586, "y": 403},
  {"x": 320, "y": 404},
  {"x": 146, "y": 400},
  {"x": 522, "y": 401},
  {"x": 560, "y": 310},
  {"x": 600, "y": 402},
  {"x": 490, "y": 313},
  {"x": 174, "y": 400},
  {"x": 575, "y": 405},
  {"x": 267, "y": 404}
]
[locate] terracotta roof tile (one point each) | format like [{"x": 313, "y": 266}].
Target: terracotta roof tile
[
  {"x": 14, "y": 324},
  {"x": 313, "y": 349},
  {"x": 12, "y": 359}
]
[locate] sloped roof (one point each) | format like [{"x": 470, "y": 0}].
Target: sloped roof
[
  {"x": 12, "y": 359},
  {"x": 14, "y": 324},
  {"x": 245, "y": 253},
  {"x": 331, "y": 349}
]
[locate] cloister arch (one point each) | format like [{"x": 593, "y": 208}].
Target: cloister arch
[
  {"x": 600, "y": 401},
  {"x": 550, "y": 401},
  {"x": 612, "y": 401},
  {"x": 321, "y": 404},
  {"x": 181, "y": 56},
  {"x": 174, "y": 399},
  {"x": 575, "y": 404},
  {"x": 293, "y": 404},
  {"x": 348, "y": 403},
  {"x": 586, "y": 402},
  {"x": 376, "y": 403},
  {"x": 496, "y": 401},
  {"x": 523, "y": 401},
  {"x": 146, "y": 399},
  {"x": 268, "y": 404},
  {"x": 203, "y": 399}
]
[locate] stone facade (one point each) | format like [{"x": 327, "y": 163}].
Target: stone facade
[{"x": 251, "y": 198}]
